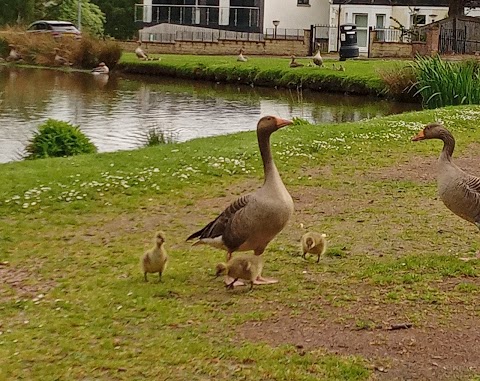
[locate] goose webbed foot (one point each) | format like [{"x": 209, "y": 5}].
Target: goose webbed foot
[
  {"x": 261, "y": 280},
  {"x": 231, "y": 283}
]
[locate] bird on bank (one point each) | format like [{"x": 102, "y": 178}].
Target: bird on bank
[
  {"x": 155, "y": 260},
  {"x": 59, "y": 60},
  {"x": 314, "y": 243},
  {"x": 14, "y": 55},
  {"x": 241, "y": 266},
  {"x": 101, "y": 69},
  {"x": 294, "y": 63},
  {"x": 254, "y": 219},
  {"x": 459, "y": 191},
  {"x": 317, "y": 58},
  {"x": 241, "y": 57},
  {"x": 140, "y": 53}
]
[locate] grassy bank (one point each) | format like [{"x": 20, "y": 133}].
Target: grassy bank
[
  {"x": 360, "y": 76},
  {"x": 74, "y": 304}
]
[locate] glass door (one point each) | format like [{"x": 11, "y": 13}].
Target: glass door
[{"x": 361, "y": 21}]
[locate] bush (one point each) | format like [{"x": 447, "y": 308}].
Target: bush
[{"x": 56, "y": 138}]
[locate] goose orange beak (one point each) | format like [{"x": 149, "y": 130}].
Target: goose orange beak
[
  {"x": 419, "y": 136},
  {"x": 282, "y": 122}
]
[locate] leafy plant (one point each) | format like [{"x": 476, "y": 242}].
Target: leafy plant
[
  {"x": 56, "y": 138},
  {"x": 443, "y": 83}
]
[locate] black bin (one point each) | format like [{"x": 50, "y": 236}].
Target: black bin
[{"x": 348, "y": 41}]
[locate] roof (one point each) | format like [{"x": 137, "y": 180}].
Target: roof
[{"x": 435, "y": 3}]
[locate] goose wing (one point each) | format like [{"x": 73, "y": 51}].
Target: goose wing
[
  {"x": 223, "y": 222},
  {"x": 472, "y": 195}
]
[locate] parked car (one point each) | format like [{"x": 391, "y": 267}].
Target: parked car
[{"x": 56, "y": 28}]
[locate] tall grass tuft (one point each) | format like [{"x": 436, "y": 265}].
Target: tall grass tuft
[
  {"x": 399, "y": 81},
  {"x": 39, "y": 49},
  {"x": 155, "y": 137},
  {"x": 56, "y": 138},
  {"x": 442, "y": 83}
]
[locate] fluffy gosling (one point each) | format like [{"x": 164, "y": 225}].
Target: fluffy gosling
[
  {"x": 314, "y": 243},
  {"x": 155, "y": 259},
  {"x": 247, "y": 267}
]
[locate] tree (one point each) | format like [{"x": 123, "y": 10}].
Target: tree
[
  {"x": 16, "y": 11},
  {"x": 457, "y": 7},
  {"x": 92, "y": 17},
  {"x": 120, "y": 16}
]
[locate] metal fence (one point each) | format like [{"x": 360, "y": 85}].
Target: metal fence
[
  {"x": 233, "y": 18},
  {"x": 399, "y": 35},
  {"x": 284, "y": 34},
  {"x": 200, "y": 36}
]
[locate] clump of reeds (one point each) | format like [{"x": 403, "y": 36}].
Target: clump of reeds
[
  {"x": 399, "y": 81},
  {"x": 156, "y": 136},
  {"x": 442, "y": 83},
  {"x": 39, "y": 49}
]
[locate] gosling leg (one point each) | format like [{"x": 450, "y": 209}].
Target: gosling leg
[
  {"x": 228, "y": 279},
  {"x": 159, "y": 277},
  {"x": 145, "y": 276},
  {"x": 231, "y": 285}
]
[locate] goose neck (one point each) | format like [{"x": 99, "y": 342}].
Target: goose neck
[
  {"x": 269, "y": 167},
  {"x": 448, "y": 145}
]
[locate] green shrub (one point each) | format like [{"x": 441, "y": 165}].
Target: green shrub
[
  {"x": 56, "y": 138},
  {"x": 443, "y": 83}
]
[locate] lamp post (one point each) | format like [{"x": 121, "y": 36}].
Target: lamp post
[
  {"x": 275, "y": 24},
  {"x": 79, "y": 15}
]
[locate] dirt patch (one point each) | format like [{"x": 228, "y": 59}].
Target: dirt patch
[
  {"x": 427, "y": 353},
  {"x": 18, "y": 283}
]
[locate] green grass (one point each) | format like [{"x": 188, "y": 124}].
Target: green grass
[
  {"x": 360, "y": 76},
  {"x": 74, "y": 304}
]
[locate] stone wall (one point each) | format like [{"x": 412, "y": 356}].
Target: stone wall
[
  {"x": 390, "y": 49},
  {"x": 225, "y": 47}
]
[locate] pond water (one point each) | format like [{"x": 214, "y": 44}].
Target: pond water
[{"x": 117, "y": 111}]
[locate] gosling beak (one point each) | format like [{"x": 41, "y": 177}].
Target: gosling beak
[
  {"x": 282, "y": 122},
  {"x": 419, "y": 136}
]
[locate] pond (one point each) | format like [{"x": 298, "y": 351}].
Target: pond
[{"x": 117, "y": 111}]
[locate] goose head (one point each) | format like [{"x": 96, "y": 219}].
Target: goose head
[
  {"x": 270, "y": 124},
  {"x": 430, "y": 131}
]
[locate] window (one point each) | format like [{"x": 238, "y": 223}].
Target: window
[
  {"x": 380, "y": 24},
  {"x": 303, "y": 2},
  {"x": 418, "y": 19}
]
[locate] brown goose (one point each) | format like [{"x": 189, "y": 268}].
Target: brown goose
[
  {"x": 253, "y": 220},
  {"x": 459, "y": 191},
  {"x": 241, "y": 57},
  {"x": 317, "y": 58},
  {"x": 294, "y": 63}
]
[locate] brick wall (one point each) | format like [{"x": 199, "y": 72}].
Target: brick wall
[
  {"x": 390, "y": 49},
  {"x": 226, "y": 47}
]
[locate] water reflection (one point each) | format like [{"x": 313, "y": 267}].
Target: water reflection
[{"x": 117, "y": 111}]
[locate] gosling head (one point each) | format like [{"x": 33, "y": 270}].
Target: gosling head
[
  {"x": 271, "y": 124},
  {"x": 160, "y": 238},
  {"x": 430, "y": 131},
  {"x": 221, "y": 269}
]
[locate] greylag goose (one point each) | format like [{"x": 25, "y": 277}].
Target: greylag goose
[
  {"x": 253, "y": 220},
  {"x": 246, "y": 267},
  {"x": 317, "y": 58},
  {"x": 59, "y": 60},
  {"x": 314, "y": 243},
  {"x": 101, "y": 69},
  {"x": 155, "y": 259},
  {"x": 241, "y": 57},
  {"x": 459, "y": 191},
  {"x": 294, "y": 63},
  {"x": 14, "y": 55},
  {"x": 140, "y": 53}
]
